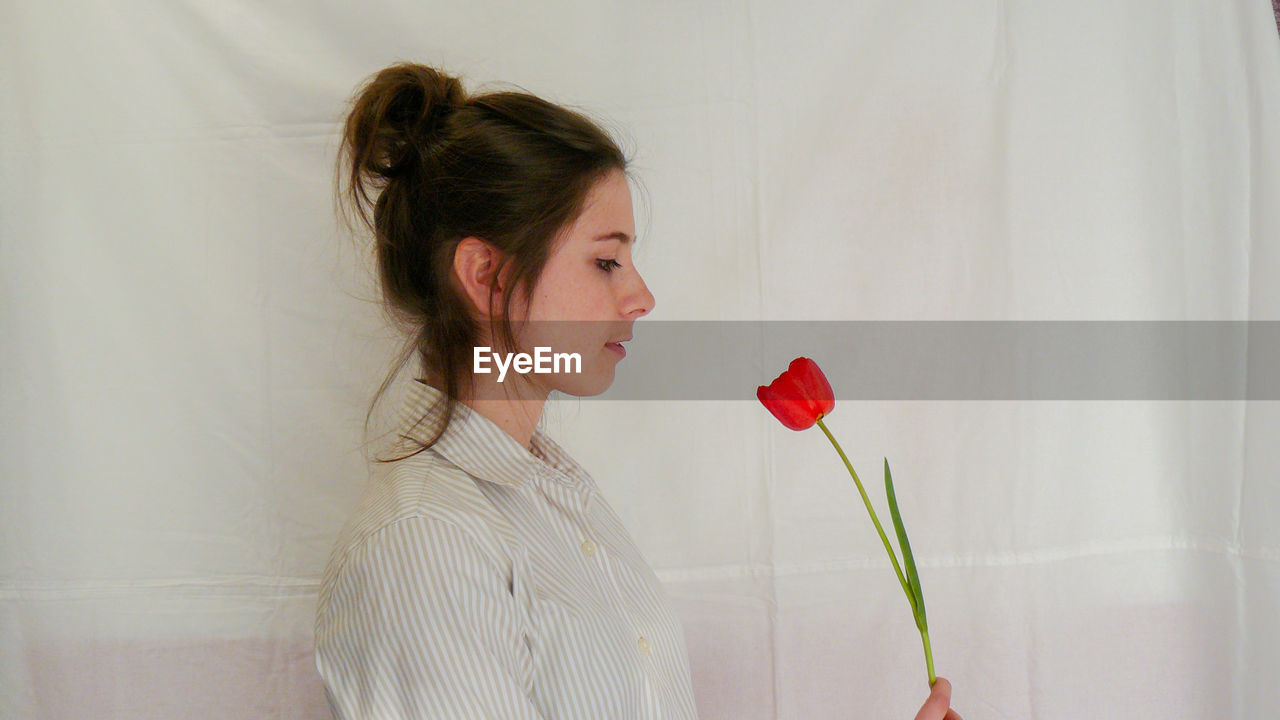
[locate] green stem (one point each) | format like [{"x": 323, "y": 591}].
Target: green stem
[
  {"x": 928, "y": 657},
  {"x": 883, "y": 538}
]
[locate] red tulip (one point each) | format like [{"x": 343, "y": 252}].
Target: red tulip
[{"x": 799, "y": 396}]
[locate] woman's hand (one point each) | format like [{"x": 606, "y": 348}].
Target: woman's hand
[{"x": 938, "y": 706}]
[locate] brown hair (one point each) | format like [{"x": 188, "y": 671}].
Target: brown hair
[{"x": 424, "y": 166}]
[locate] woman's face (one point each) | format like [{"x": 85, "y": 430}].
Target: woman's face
[{"x": 589, "y": 294}]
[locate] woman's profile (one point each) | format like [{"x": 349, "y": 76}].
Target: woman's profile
[{"x": 483, "y": 574}]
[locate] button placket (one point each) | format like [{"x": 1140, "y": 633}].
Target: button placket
[
  {"x": 589, "y": 548},
  {"x": 588, "y": 545}
]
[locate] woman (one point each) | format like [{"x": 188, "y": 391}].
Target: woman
[{"x": 484, "y": 576}]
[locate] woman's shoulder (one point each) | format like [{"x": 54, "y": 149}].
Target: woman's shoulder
[{"x": 426, "y": 487}]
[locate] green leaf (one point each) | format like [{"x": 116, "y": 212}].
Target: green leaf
[{"x": 913, "y": 578}]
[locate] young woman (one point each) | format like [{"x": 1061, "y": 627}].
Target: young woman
[{"x": 484, "y": 575}]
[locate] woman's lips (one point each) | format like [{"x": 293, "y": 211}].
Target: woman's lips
[{"x": 616, "y": 347}]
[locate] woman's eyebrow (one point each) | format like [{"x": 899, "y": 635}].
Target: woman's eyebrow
[{"x": 618, "y": 235}]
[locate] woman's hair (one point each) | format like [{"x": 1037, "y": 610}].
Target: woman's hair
[{"x": 425, "y": 165}]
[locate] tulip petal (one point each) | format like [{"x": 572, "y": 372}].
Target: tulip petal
[
  {"x": 792, "y": 413},
  {"x": 813, "y": 384}
]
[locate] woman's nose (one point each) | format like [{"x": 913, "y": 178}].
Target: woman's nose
[{"x": 640, "y": 301}]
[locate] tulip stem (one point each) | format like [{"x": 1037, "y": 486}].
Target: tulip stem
[
  {"x": 883, "y": 538},
  {"x": 928, "y": 657}
]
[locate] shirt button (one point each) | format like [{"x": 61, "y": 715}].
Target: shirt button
[
  {"x": 588, "y": 547},
  {"x": 644, "y": 644}
]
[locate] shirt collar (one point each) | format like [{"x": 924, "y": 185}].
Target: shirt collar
[{"x": 476, "y": 444}]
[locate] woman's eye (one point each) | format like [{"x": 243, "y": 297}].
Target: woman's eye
[{"x": 608, "y": 265}]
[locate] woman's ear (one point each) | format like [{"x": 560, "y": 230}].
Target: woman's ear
[{"x": 475, "y": 266}]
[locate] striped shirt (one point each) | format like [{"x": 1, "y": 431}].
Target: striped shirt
[{"x": 479, "y": 580}]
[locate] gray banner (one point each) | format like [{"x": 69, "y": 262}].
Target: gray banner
[{"x": 955, "y": 360}]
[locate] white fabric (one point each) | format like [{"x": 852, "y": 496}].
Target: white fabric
[
  {"x": 190, "y": 345},
  {"x": 479, "y": 580}
]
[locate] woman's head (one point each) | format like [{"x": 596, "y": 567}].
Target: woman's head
[
  {"x": 429, "y": 168},
  {"x": 588, "y": 296}
]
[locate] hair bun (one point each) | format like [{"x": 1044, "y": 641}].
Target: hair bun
[{"x": 400, "y": 113}]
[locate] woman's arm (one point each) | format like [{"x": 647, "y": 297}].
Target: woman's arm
[{"x": 421, "y": 624}]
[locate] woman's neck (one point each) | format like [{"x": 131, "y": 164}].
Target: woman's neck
[{"x": 514, "y": 406}]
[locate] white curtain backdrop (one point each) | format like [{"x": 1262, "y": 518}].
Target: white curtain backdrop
[{"x": 190, "y": 343}]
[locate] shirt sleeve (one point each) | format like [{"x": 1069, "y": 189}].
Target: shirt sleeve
[{"x": 421, "y": 623}]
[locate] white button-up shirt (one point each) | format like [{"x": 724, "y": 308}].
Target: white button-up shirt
[{"x": 478, "y": 580}]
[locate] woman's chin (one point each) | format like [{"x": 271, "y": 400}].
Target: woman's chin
[{"x": 587, "y": 384}]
